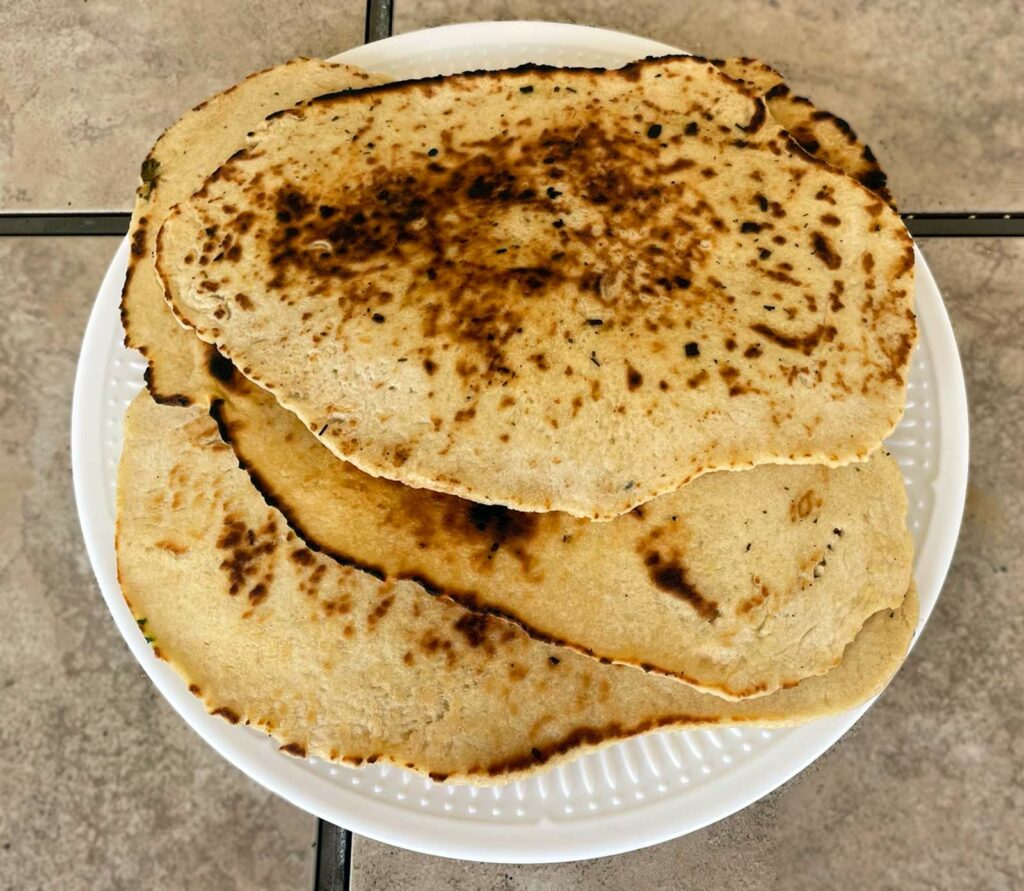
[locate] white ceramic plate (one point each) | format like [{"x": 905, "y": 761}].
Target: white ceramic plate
[{"x": 632, "y": 794}]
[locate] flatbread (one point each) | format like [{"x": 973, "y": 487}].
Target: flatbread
[
  {"x": 176, "y": 166},
  {"x": 190, "y": 149},
  {"x": 593, "y": 332},
  {"x": 818, "y": 132},
  {"x": 335, "y": 663},
  {"x": 665, "y": 626},
  {"x": 739, "y": 584}
]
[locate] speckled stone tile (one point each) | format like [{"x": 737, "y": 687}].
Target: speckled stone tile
[
  {"x": 927, "y": 791},
  {"x": 101, "y": 783},
  {"x": 87, "y": 87},
  {"x": 937, "y": 89}
]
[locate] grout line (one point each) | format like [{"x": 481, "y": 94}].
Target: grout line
[
  {"x": 333, "y": 857},
  {"x": 921, "y": 225},
  {"x": 346, "y": 865},
  {"x": 380, "y": 16},
  {"x": 64, "y": 223},
  {"x": 965, "y": 225}
]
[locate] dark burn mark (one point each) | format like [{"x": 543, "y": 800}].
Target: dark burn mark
[
  {"x": 293, "y": 748},
  {"x": 654, "y": 131},
  {"x": 303, "y": 556},
  {"x": 756, "y": 120},
  {"x": 873, "y": 179},
  {"x": 382, "y": 608},
  {"x": 585, "y": 736},
  {"x": 670, "y": 576},
  {"x": 750, "y": 226},
  {"x": 172, "y": 399},
  {"x": 258, "y": 593},
  {"x": 806, "y": 140},
  {"x": 139, "y": 238},
  {"x": 220, "y": 368},
  {"x": 634, "y": 379},
  {"x": 228, "y": 714},
  {"x": 526, "y": 89},
  {"x": 805, "y": 343},
  {"x": 691, "y": 128},
  {"x": 499, "y": 523},
  {"x": 474, "y": 627},
  {"x": 692, "y": 349},
  {"x": 906, "y": 261},
  {"x": 823, "y": 250},
  {"x": 248, "y": 557}
]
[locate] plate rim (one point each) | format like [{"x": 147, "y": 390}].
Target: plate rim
[{"x": 546, "y": 840}]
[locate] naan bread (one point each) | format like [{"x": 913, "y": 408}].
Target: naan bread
[
  {"x": 739, "y": 584},
  {"x": 177, "y": 165},
  {"x": 552, "y": 288},
  {"x": 334, "y": 663}
]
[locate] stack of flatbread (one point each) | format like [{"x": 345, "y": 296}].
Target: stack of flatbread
[{"x": 495, "y": 417}]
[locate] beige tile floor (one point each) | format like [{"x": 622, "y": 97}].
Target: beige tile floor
[
  {"x": 102, "y": 786},
  {"x": 927, "y": 84},
  {"x": 86, "y": 87}
]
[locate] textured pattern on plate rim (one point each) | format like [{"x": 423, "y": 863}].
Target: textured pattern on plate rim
[{"x": 662, "y": 785}]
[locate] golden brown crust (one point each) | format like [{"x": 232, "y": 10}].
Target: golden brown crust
[
  {"x": 334, "y": 663},
  {"x": 470, "y": 300},
  {"x": 697, "y": 580},
  {"x": 174, "y": 168}
]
